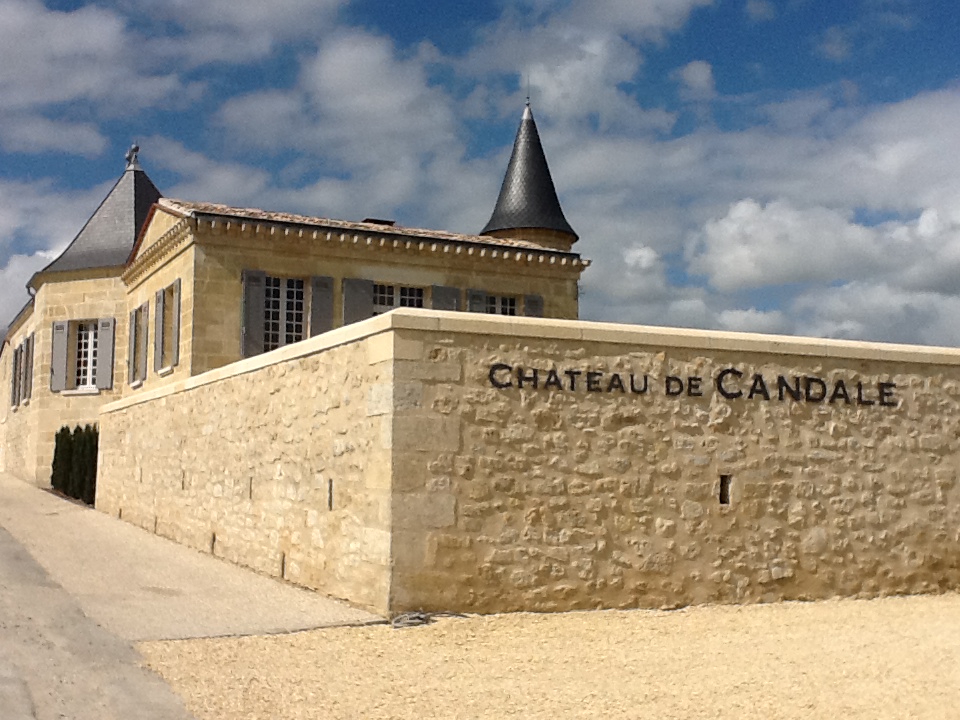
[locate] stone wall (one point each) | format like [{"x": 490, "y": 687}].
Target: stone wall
[
  {"x": 28, "y": 431},
  {"x": 487, "y": 464},
  {"x": 551, "y": 498},
  {"x": 279, "y": 463}
]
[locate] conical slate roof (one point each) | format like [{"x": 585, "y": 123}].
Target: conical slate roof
[
  {"x": 528, "y": 198},
  {"x": 109, "y": 235}
]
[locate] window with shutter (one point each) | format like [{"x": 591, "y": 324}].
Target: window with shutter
[
  {"x": 321, "y": 305},
  {"x": 166, "y": 334},
  {"x": 137, "y": 359},
  {"x": 445, "y": 298},
  {"x": 105, "y": 336},
  {"x": 251, "y": 341},
  {"x": 476, "y": 301},
  {"x": 533, "y": 305},
  {"x": 387, "y": 297},
  {"x": 357, "y": 300},
  {"x": 85, "y": 368},
  {"x": 158, "y": 301},
  {"x": 59, "y": 356},
  {"x": 26, "y": 370},
  {"x": 15, "y": 379}
]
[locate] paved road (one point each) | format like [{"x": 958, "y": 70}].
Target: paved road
[
  {"x": 78, "y": 588},
  {"x": 55, "y": 662}
]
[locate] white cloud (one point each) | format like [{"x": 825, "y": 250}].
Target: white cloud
[
  {"x": 696, "y": 80},
  {"x": 878, "y": 311},
  {"x": 835, "y": 44},
  {"x": 30, "y": 134},
  {"x": 239, "y": 31},
  {"x": 753, "y": 320},
  {"x": 755, "y": 245},
  {"x": 49, "y": 57},
  {"x": 760, "y": 10}
]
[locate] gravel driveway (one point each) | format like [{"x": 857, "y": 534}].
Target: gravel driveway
[{"x": 888, "y": 658}]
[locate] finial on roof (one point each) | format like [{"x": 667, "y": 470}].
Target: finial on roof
[{"x": 133, "y": 163}]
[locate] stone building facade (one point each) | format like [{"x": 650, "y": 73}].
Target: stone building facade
[{"x": 155, "y": 290}]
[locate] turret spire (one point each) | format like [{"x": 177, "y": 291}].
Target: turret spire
[{"x": 528, "y": 207}]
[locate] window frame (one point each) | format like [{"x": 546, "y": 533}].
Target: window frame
[
  {"x": 166, "y": 332},
  {"x": 386, "y": 297},
  {"x": 82, "y": 372},
  {"x": 290, "y": 324}
]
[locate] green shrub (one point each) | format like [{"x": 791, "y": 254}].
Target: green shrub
[
  {"x": 62, "y": 453},
  {"x": 74, "y": 470}
]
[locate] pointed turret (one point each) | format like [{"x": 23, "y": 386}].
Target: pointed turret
[
  {"x": 109, "y": 234},
  {"x": 528, "y": 207}
]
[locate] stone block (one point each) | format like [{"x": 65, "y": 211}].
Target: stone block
[
  {"x": 413, "y": 511},
  {"x": 413, "y": 432}
]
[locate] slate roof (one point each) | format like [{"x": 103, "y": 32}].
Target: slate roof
[
  {"x": 528, "y": 198},
  {"x": 109, "y": 234},
  {"x": 186, "y": 208}
]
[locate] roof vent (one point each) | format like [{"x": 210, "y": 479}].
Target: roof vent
[{"x": 378, "y": 221}]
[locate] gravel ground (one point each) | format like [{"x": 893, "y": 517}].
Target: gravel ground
[{"x": 887, "y": 658}]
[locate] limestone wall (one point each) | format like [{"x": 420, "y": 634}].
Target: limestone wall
[
  {"x": 547, "y": 497},
  {"x": 486, "y": 464},
  {"x": 28, "y": 431},
  {"x": 279, "y": 463}
]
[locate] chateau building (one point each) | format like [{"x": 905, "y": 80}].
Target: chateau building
[
  {"x": 154, "y": 290},
  {"x": 346, "y": 406}
]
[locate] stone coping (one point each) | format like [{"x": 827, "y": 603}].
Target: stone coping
[{"x": 549, "y": 329}]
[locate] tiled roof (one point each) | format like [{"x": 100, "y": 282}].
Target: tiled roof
[
  {"x": 109, "y": 234},
  {"x": 528, "y": 198},
  {"x": 201, "y": 209}
]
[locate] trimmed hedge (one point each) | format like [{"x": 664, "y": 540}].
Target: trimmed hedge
[{"x": 74, "y": 471}]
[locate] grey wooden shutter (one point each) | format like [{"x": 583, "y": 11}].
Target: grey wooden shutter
[
  {"x": 21, "y": 354},
  {"x": 251, "y": 333},
  {"x": 357, "y": 300},
  {"x": 28, "y": 369},
  {"x": 143, "y": 341},
  {"x": 158, "y": 331},
  {"x": 533, "y": 305},
  {"x": 132, "y": 349},
  {"x": 24, "y": 352},
  {"x": 15, "y": 379},
  {"x": 105, "y": 330},
  {"x": 445, "y": 298},
  {"x": 321, "y": 305},
  {"x": 175, "y": 325},
  {"x": 58, "y": 362},
  {"x": 476, "y": 301}
]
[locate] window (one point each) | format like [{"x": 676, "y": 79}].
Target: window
[
  {"x": 82, "y": 355},
  {"x": 479, "y": 301},
  {"x": 85, "y": 367},
  {"x": 166, "y": 335},
  {"x": 21, "y": 376},
  {"x": 501, "y": 305},
  {"x": 387, "y": 297},
  {"x": 283, "y": 317},
  {"x": 276, "y": 313},
  {"x": 137, "y": 355}
]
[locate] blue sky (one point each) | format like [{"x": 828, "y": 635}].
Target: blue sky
[{"x": 783, "y": 166}]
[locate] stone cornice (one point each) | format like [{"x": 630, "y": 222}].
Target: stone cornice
[
  {"x": 169, "y": 244},
  {"x": 362, "y": 239}
]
